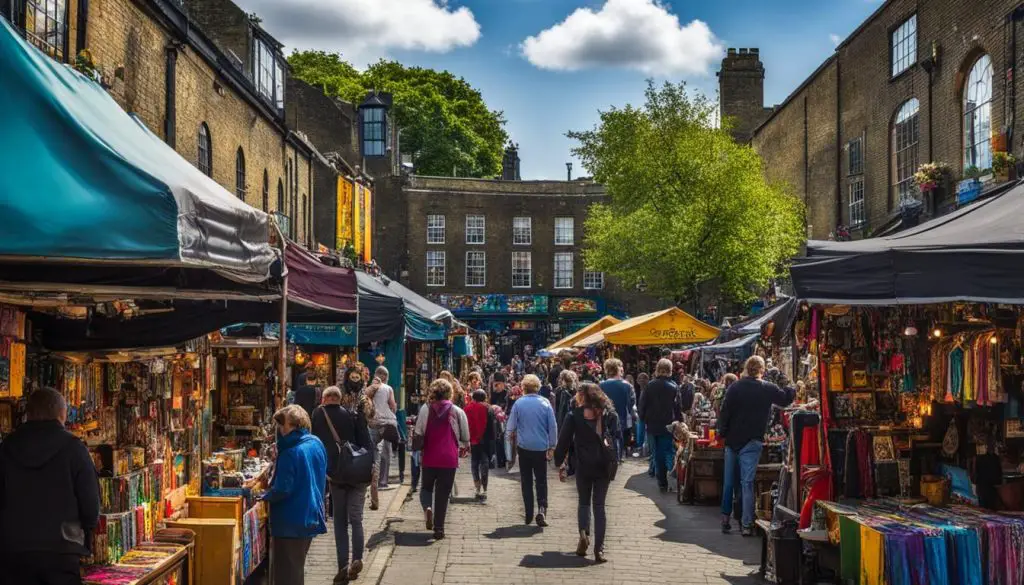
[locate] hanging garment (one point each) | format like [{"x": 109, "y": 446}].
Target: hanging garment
[
  {"x": 968, "y": 375},
  {"x": 956, "y": 374}
]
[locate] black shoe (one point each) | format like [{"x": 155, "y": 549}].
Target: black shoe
[
  {"x": 529, "y": 519},
  {"x": 747, "y": 531},
  {"x": 541, "y": 521},
  {"x": 663, "y": 489},
  {"x": 726, "y": 528},
  {"x": 439, "y": 535}
]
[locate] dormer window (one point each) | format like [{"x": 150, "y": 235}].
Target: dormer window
[
  {"x": 374, "y": 125},
  {"x": 268, "y": 72}
]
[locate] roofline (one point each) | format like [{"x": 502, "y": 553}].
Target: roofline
[{"x": 775, "y": 109}]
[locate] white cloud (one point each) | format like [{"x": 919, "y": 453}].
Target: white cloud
[
  {"x": 630, "y": 34},
  {"x": 363, "y": 30},
  {"x": 836, "y": 39}
]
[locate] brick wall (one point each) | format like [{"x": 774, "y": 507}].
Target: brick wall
[
  {"x": 129, "y": 45},
  {"x": 869, "y": 97}
]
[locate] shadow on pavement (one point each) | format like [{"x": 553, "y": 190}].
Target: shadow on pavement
[
  {"x": 514, "y": 532},
  {"x": 554, "y": 560},
  {"x": 413, "y": 539},
  {"x": 693, "y": 524}
]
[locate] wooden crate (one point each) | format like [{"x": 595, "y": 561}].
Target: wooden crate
[
  {"x": 217, "y": 507},
  {"x": 215, "y": 549}
]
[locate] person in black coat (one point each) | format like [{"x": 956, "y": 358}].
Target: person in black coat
[
  {"x": 49, "y": 496},
  {"x": 349, "y": 413},
  {"x": 589, "y": 432},
  {"x": 658, "y": 409}
]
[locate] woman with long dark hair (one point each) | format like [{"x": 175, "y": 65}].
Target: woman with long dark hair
[{"x": 589, "y": 432}]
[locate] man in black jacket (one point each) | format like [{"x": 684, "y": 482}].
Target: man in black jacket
[
  {"x": 745, "y": 412},
  {"x": 657, "y": 410},
  {"x": 49, "y": 497}
]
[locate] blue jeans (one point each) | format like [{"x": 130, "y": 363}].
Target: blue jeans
[
  {"x": 746, "y": 459},
  {"x": 641, "y": 434},
  {"x": 662, "y": 446}
]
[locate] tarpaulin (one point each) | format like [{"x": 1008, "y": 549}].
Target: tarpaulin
[
  {"x": 81, "y": 179},
  {"x": 381, "y": 310},
  {"x": 672, "y": 326},
  {"x": 567, "y": 341},
  {"x": 317, "y": 285}
]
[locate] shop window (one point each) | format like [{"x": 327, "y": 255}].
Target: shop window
[
  {"x": 204, "y": 158},
  {"x": 905, "y": 136},
  {"x": 855, "y": 156},
  {"x": 564, "y": 228},
  {"x": 435, "y": 268},
  {"x": 904, "y": 46},
  {"x": 435, "y": 229},
  {"x": 857, "y": 215},
  {"x": 476, "y": 269},
  {"x": 475, "y": 229},
  {"x": 240, "y": 174},
  {"x": 522, "y": 231},
  {"x": 522, "y": 269},
  {"x": 593, "y": 280},
  {"x": 563, "y": 270},
  {"x": 978, "y": 115}
]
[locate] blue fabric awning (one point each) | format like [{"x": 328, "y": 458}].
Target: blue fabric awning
[{"x": 80, "y": 179}]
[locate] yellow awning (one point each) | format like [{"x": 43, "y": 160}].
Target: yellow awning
[
  {"x": 672, "y": 326},
  {"x": 567, "y": 341}
]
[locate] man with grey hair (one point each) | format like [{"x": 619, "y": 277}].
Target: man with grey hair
[{"x": 49, "y": 496}]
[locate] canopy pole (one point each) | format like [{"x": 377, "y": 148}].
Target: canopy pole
[{"x": 282, "y": 343}]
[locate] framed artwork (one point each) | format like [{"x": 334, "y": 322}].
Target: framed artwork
[
  {"x": 884, "y": 448},
  {"x": 860, "y": 406},
  {"x": 859, "y": 379},
  {"x": 837, "y": 373}
]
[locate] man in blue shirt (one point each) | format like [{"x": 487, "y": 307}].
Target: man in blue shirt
[
  {"x": 620, "y": 392},
  {"x": 531, "y": 427}
]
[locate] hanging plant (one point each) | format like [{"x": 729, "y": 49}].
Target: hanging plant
[{"x": 930, "y": 175}]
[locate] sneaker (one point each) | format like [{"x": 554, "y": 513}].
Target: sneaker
[
  {"x": 354, "y": 569},
  {"x": 341, "y": 578},
  {"x": 428, "y": 514},
  {"x": 747, "y": 531},
  {"x": 541, "y": 521},
  {"x": 483, "y": 496},
  {"x": 583, "y": 545},
  {"x": 599, "y": 557}
]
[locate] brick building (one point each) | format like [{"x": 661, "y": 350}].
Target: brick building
[
  {"x": 202, "y": 75},
  {"x": 916, "y": 82}
]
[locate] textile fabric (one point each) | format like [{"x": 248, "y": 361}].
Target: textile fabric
[{"x": 746, "y": 460}]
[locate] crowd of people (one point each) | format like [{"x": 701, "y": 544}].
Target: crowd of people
[{"x": 334, "y": 445}]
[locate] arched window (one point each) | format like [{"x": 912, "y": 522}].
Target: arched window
[
  {"x": 266, "y": 191},
  {"x": 978, "y": 115},
  {"x": 240, "y": 174},
  {"x": 280, "y": 196},
  {"x": 905, "y": 136},
  {"x": 204, "y": 160}
]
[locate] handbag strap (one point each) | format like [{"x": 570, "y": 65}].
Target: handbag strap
[{"x": 330, "y": 424}]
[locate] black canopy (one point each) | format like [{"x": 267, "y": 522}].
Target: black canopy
[
  {"x": 381, "y": 310},
  {"x": 973, "y": 254}
]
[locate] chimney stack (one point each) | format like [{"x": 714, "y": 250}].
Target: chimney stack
[{"x": 510, "y": 163}]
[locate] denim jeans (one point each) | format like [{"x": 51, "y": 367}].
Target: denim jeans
[
  {"x": 348, "y": 505},
  {"x": 415, "y": 458},
  {"x": 480, "y": 463},
  {"x": 641, "y": 434},
  {"x": 661, "y": 446},
  {"x": 650, "y": 453},
  {"x": 747, "y": 459}
]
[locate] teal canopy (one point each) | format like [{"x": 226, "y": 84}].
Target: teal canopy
[{"x": 81, "y": 179}]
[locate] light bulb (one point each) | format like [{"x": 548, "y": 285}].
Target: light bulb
[
  {"x": 993, "y": 340},
  {"x": 910, "y": 331},
  {"x": 937, "y": 332}
]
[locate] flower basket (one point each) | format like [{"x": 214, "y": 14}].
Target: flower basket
[{"x": 930, "y": 176}]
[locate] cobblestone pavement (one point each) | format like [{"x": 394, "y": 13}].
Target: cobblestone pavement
[
  {"x": 651, "y": 539},
  {"x": 321, "y": 562}
]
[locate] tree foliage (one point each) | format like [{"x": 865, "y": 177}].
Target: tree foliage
[
  {"x": 446, "y": 126},
  {"x": 688, "y": 207}
]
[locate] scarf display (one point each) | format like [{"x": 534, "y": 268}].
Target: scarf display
[{"x": 134, "y": 566}]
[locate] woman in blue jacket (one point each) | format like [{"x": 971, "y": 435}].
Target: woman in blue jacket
[{"x": 296, "y": 495}]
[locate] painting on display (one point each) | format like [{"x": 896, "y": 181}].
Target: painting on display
[
  {"x": 577, "y": 305},
  {"x": 505, "y": 304}
]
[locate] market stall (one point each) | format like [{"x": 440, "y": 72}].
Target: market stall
[
  {"x": 666, "y": 328},
  {"x": 566, "y": 343}
]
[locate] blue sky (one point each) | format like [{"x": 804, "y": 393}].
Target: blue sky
[{"x": 584, "y": 56}]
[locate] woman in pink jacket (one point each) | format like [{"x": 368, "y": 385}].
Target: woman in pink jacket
[{"x": 444, "y": 429}]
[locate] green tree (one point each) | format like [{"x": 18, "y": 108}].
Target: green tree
[
  {"x": 446, "y": 126},
  {"x": 689, "y": 209}
]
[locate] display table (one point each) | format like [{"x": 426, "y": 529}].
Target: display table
[{"x": 147, "y": 564}]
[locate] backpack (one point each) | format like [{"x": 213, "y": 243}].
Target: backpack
[
  {"x": 609, "y": 458},
  {"x": 353, "y": 466}
]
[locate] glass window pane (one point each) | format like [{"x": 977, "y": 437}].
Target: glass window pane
[
  {"x": 978, "y": 115},
  {"x": 564, "y": 231},
  {"x": 476, "y": 269},
  {"x": 563, "y": 270}
]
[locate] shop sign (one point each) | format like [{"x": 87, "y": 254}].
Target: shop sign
[
  {"x": 314, "y": 333},
  {"x": 521, "y": 325},
  {"x": 493, "y": 304},
  {"x": 674, "y": 334},
  {"x": 577, "y": 305}
]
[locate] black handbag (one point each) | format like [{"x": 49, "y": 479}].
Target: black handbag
[
  {"x": 389, "y": 433},
  {"x": 609, "y": 459},
  {"x": 354, "y": 465}
]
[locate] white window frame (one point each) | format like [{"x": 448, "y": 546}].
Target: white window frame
[
  {"x": 440, "y": 270},
  {"x": 903, "y": 46},
  {"x": 522, "y": 266},
  {"x": 478, "y": 266},
  {"x": 563, "y": 280},
  {"x": 519, "y": 238},
  {"x": 435, "y": 226},
  {"x": 593, "y": 280},
  {"x": 471, "y": 230},
  {"x": 977, "y": 108},
  {"x": 858, "y": 216},
  {"x": 561, "y": 231},
  {"x": 906, "y": 142}
]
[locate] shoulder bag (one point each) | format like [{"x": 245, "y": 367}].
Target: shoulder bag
[{"x": 353, "y": 466}]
